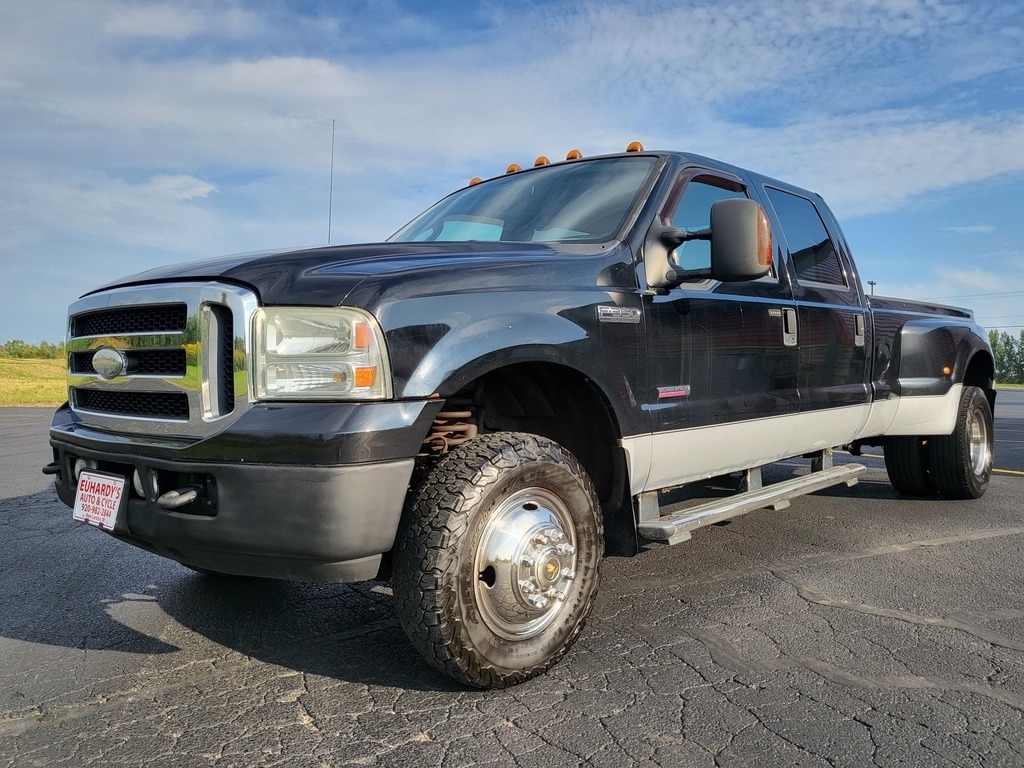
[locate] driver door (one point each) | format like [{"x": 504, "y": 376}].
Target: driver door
[{"x": 721, "y": 364}]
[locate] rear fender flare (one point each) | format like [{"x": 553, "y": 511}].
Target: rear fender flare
[{"x": 927, "y": 348}]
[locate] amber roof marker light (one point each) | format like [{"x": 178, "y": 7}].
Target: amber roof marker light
[{"x": 542, "y": 160}]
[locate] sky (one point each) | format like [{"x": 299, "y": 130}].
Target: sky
[{"x": 136, "y": 134}]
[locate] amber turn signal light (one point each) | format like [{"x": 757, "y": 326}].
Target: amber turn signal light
[{"x": 764, "y": 239}]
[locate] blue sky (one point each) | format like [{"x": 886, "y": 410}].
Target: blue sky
[{"x": 134, "y": 134}]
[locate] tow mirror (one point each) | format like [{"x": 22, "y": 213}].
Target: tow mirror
[
  {"x": 741, "y": 240},
  {"x": 741, "y": 246}
]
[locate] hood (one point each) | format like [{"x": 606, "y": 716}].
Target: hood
[{"x": 325, "y": 276}]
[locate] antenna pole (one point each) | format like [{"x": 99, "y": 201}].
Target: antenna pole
[{"x": 330, "y": 196}]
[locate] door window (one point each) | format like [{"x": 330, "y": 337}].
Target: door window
[
  {"x": 811, "y": 250},
  {"x": 693, "y": 214}
]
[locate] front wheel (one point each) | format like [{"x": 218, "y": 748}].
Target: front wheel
[
  {"x": 961, "y": 462},
  {"x": 496, "y": 559}
]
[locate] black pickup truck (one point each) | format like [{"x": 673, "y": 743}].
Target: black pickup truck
[{"x": 482, "y": 406}]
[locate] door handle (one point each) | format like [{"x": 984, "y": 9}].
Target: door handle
[
  {"x": 858, "y": 330},
  {"x": 789, "y": 327}
]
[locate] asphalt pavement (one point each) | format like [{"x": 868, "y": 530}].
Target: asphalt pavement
[{"x": 854, "y": 628}]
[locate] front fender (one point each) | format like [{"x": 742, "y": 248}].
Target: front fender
[
  {"x": 475, "y": 348},
  {"x": 438, "y": 343}
]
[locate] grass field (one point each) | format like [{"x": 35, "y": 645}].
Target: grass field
[
  {"x": 26, "y": 381},
  {"x": 32, "y": 382}
]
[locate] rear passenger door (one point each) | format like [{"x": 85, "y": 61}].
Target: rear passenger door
[{"x": 832, "y": 323}]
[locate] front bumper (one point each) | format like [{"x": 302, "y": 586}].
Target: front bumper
[{"x": 311, "y": 492}]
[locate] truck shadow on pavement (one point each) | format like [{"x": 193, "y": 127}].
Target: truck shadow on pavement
[
  {"x": 66, "y": 584},
  {"x": 343, "y": 631},
  {"x": 59, "y": 581}
]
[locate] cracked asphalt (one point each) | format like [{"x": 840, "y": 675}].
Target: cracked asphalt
[{"x": 854, "y": 628}]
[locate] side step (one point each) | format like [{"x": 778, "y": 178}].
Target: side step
[{"x": 676, "y": 528}]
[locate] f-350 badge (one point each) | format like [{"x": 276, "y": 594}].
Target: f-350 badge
[{"x": 606, "y": 314}]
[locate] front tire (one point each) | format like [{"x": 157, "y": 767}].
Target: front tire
[
  {"x": 961, "y": 462},
  {"x": 496, "y": 559}
]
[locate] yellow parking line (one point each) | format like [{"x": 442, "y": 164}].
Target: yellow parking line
[{"x": 1016, "y": 472}]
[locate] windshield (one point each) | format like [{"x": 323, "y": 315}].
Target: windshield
[{"x": 583, "y": 201}]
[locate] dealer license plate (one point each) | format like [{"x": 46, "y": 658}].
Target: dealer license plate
[{"x": 98, "y": 499}]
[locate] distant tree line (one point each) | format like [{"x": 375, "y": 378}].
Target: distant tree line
[
  {"x": 1009, "y": 355},
  {"x": 43, "y": 351}
]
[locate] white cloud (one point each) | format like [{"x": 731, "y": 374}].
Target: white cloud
[
  {"x": 177, "y": 22},
  {"x": 161, "y": 210},
  {"x": 180, "y": 187},
  {"x": 158, "y": 20},
  {"x": 194, "y": 126},
  {"x": 578, "y": 79},
  {"x": 875, "y": 162},
  {"x": 973, "y": 229}
]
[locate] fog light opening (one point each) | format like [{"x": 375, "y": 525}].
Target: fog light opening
[
  {"x": 140, "y": 489},
  {"x": 80, "y": 466}
]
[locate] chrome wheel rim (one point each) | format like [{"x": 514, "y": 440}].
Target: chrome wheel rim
[
  {"x": 978, "y": 444},
  {"x": 525, "y": 564}
]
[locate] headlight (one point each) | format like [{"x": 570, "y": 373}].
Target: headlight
[{"x": 312, "y": 353}]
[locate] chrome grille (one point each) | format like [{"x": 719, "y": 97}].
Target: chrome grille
[
  {"x": 152, "y": 405},
  {"x": 139, "y": 362},
  {"x": 170, "y": 318},
  {"x": 175, "y": 362}
]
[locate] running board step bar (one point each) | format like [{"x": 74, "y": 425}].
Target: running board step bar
[{"x": 676, "y": 528}]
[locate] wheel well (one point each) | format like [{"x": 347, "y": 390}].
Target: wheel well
[
  {"x": 981, "y": 372},
  {"x": 560, "y": 404}
]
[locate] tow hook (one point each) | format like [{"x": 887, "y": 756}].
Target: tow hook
[{"x": 175, "y": 499}]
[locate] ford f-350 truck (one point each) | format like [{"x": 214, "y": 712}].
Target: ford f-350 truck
[{"x": 483, "y": 405}]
